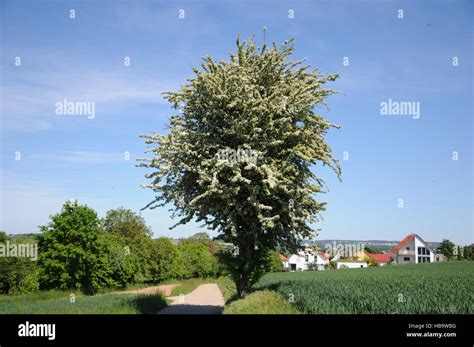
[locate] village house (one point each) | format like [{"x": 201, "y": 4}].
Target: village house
[
  {"x": 413, "y": 249},
  {"x": 305, "y": 259}
]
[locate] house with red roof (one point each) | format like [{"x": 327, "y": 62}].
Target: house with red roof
[
  {"x": 413, "y": 249},
  {"x": 381, "y": 259}
]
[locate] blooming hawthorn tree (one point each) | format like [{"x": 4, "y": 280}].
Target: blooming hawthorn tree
[{"x": 260, "y": 106}]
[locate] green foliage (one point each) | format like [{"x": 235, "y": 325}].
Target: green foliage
[
  {"x": 261, "y": 302},
  {"x": 166, "y": 260},
  {"x": 330, "y": 266},
  {"x": 203, "y": 238},
  {"x": 130, "y": 226},
  {"x": 447, "y": 248},
  {"x": 73, "y": 251},
  {"x": 468, "y": 253},
  {"x": 259, "y": 103},
  {"x": 370, "y": 261},
  {"x": 136, "y": 235},
  {"x": 196, "y": 260},
  {"x": 436, "y": 288},
  {"x": 372, "y": 250},
  {"x": 17, "y": 274},
  {"x": 58, "y": 302},
  {"x": 123, "y": 263},
  {"x": 227, "y": 287},
  {"x": 275, "y": 264}
]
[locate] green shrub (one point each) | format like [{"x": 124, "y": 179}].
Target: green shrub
[
  {"x": 275, "y": 264},
  {"x": 74, "y": 251},
  {"x": 197, "y": 261},
  {"x": 165, "y": 260},
  {"x": 17, "y": 274},
  {"x": 122, "y": 262},
  {"x": 132, "y": 230}
]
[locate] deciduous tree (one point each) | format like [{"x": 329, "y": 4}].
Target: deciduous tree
[
  {"x": 259, "y": 108},
  {"x": 73, "y": 252}
]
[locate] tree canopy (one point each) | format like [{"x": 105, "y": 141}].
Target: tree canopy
[
  {"x": 447, "y": 248},
  {"x": 239, "y": 154},
  {"x": 73, "y": 251}
]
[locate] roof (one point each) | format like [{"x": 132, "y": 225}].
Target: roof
[
  {"x": 283, "y": 257},
  {"x": 407, "y": 239},
  {"x": 351, "y": 261},
  {"x": 323, "y": 255},
  {"x": 380, "y": 258}
]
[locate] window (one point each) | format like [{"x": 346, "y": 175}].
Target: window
[
  {"x": 423, "y": 255},
  {"x": 406, "y": 258},
  {"x": 362, "y": 266},
  {"x": 422, "y": 251},
  {"x": 408, "y": 248}
]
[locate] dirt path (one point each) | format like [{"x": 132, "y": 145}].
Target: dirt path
[
  {"x": 163, "y": 289},
  {"x": 205, "y": 299}
]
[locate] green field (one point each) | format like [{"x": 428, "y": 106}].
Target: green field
[
  {"x": 441, "y": 288},
  {"x": 58, "y": 302}
]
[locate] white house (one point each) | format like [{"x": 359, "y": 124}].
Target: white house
[
  {"x": 305, "y": 259},
  {"x": 413, "y": 249},
  {"x": 351, "y": 264}
]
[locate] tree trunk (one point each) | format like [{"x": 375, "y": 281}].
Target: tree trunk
[
  {"x": 242, "y": 288},
  {"x": 243, "y": 282}
]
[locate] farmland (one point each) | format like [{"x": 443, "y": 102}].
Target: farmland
[{"x": 437, "y": 288}]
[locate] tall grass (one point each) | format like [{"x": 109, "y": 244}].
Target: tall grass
[
  {"x": 59, "y": 302},
  {"x": 261, "y": 302}
]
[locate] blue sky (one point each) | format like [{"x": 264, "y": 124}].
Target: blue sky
[{"x": 390, "y": 157}]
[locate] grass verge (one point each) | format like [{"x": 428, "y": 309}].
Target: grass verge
[
  {"x": 58, "y": 302},
  {"x": 228, "y": 289},
  {"x": 260, "y": 302}
]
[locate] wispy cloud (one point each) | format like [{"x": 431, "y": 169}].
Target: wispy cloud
[
  {"x": 29, "y": 98},
  {"x": 79, "y": 157}
]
